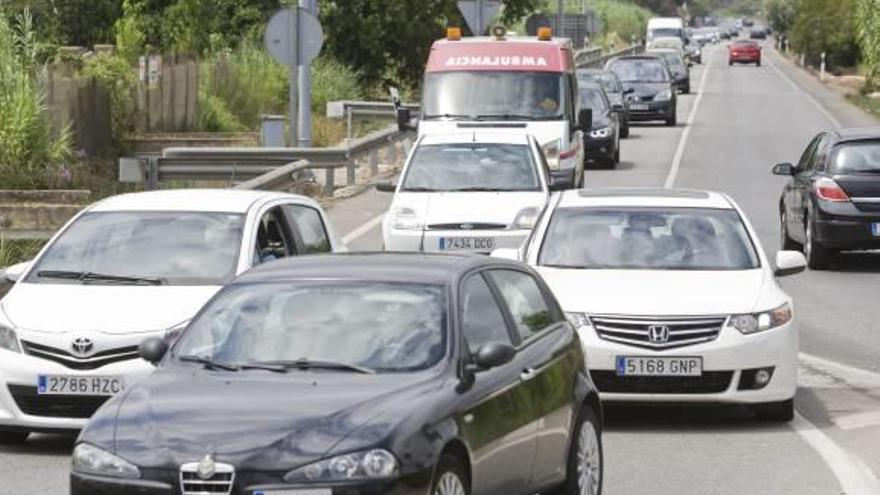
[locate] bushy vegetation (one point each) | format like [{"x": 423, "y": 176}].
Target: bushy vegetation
[
  {"x": 14, "y": 251},
  {"x": 825, "y": 26},
  {"x": 622, "y": 22},
  {"x": 868, "y": 23},
  {"x": 116, "y": 75},
  {"x": 31, "y": 154}
]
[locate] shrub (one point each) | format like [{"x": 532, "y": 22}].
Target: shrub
[{"x": 115, "y": 74}]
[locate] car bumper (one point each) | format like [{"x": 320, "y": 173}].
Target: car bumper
[
  {"x": 430, "y": 240},
  {"x": 731, "y": 354},
  {"x": 599, "y": 147},
  {"x": 744, "y": 59},
  {"x": 21, "y": 408},
  {"x": 653, "y": 110},
  {"x": 165, "y": 482},
  {"x": 843, "y": 226}
]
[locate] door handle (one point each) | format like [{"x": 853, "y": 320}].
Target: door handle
[{"x": 528, "y": 374}]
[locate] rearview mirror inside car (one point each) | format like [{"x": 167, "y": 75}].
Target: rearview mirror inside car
[
  {"x": 789, "y": 263},
  {"x": 783, "y": 169},
  {"x": 153, "y": 349},
  {"x": 386, "y": 186}
]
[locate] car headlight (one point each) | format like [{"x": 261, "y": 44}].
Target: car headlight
[
  {"x": 664, "y": 95},
  {"x": 600, "y": 133},
  {"x": 525, "y": 219},
  {"x": 368, "y": 465},
  {"x": 758, "y": 322},
  {"x": 578, "y": 319},
  {"x": 9, "y": 340},
  {"x": 551, "y": 152},
  {"x": 405, "y": 218},
  {"x": 89, "y": 459}
]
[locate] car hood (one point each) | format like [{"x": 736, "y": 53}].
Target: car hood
[
  {"x": 458, "y": 207},
  {"x": 544, "y": 131},
  {"x": 109, "y": 309},
  {"x": 255, "y": 420},
  {"x": 646, "y": 89},
  {"x": 656, "y": 292}
]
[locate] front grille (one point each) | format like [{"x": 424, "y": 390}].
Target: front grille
[
  {"x": 191, "y": 483},
  {"x": 55, "y": 406},
  {"x": 711, "y": 382},
  {"x": 636, "y": 330},
  {"x": 92, "y": 362},
  {"x": 467, "y": 226}
]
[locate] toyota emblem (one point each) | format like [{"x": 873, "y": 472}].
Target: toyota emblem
[
  {"x": 658, "y": 334},
  {"x": 82, "y": 345}
]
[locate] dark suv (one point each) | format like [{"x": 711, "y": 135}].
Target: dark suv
[{"x": 832, "y": 202}]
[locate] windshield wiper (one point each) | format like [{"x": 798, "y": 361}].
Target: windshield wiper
[
  {"x": 207, "y": 362},
  {"x": 419, "y": 189},
  {"x": 305, "y": 363},
  {"x": 573, "y": 267},
  {"x": 86, "y": 277},
  {"x": 451, "y": 116},
  {"x": 481, "y": 189},
  {"x": 514, "y": 116}
]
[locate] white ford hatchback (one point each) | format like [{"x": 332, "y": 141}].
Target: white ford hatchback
[
  {"x": 124, "y": 269},
  {"x": 673, "y": 295}
]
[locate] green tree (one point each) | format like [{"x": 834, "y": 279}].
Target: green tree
[
  {"x": 781, "y": 14},
  {"x": 69, "y": 22},
  {"x": 825, "y": 26},
  {"x": 868, "y": 26}
]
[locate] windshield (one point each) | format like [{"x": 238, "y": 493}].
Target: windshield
[
  {"x": 383, "y": 327},
  {"x": 742, "y": 44},
  {"x": 176, "y": 248},
  {"x": 648, "y": 238},
  {"x": 594, "y": 99},
  {"x": 672, "y": 58},
  {"x": 664, "y": 33},
  {"x": 472, "y": 167},
  {"x": 854, "y": 158},
  {"x": 489, "y": 94},
  {"x": 604, "y": 79},
  {"x": 641, "y": 70}
]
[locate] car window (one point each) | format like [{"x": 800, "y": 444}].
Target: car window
[
  {"x": 306, "y": 221},
  {"x": 803, "y": 163},
  {"x": 272, "y": 241},
  {"x": 524, "y": 300},
  {"x": 593, "y": 98},
  {"x": 640, "y": 70},
  {"x": 855, "y": 158},
  {"x": 821, "y": 154},
  {"x": 482, "y": 320},
  {"x": 472, "y": 167}
]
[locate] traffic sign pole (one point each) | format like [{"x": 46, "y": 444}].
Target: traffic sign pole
[
  {"x": 305, "y": 89},
  {"x": 294, "y": 93}
]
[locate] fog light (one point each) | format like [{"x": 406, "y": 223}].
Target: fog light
[
  {"x": 755, "y": 378},
  {"x": 762, "y": 377}
]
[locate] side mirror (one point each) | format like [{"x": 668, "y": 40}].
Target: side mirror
[
  {"x": 404, "y": 116},
  {"x": 561, "y": 182},
  {"x": 786, "y": 169},
  {"x": 386, "y": 186},
  {"x": 585, "y": 119},
  {"x": 492, "y": 355},
  {"x": 789, "y": 263},
  {"x": 506, "y": 254},
  {"x": 153, "y": 349},
  {"x": 629, "y": 91},
  {"x": 14, "y": 272},
  {"x": 617, "y": 107}
]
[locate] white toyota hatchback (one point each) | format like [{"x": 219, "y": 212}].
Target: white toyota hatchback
[
  {"x": 673, "y": 295},
  {"x": 470, "y": 191},
  {"x": 126, "y": 268}
]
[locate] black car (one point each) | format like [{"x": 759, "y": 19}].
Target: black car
[
  {"x": 652, "y": 95},
  {"x": 694, "y": 52},
  {"x": 615, "y": 92},
  {"x": 758, "y": 33},
  {"x": 358, "y": 374},
  {"x": 832, "y": 201},
  {"x": 602, "y": 143},
  {"x": 681, "y": 70}
]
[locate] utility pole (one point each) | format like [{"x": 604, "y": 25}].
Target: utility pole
[
  {"x": 304, "y": 77},
  {"x": 560, "y": 15}
]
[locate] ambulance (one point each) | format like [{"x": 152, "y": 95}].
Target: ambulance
[{"x": 507, "y": 82}]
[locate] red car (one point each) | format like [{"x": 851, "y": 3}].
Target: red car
[{"x": 744, "y": 52}]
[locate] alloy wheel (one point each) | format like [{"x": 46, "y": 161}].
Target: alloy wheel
[
  {"x": 449, "y": 484},
  {"x": 589, "y": 460}
]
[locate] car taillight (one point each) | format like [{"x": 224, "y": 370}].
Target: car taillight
[
  {"x": 828, "y": 190},
  {"x": 569, "y": 152}
]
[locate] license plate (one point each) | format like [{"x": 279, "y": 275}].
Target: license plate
[
  {"x": 315, "y": 491},
  {"x": 659, "y": 366},
  {"x": 467, "y": 243},
  {"x": 875, "y": 229},
  {"x": 639, "y": 108},
  {"x": 78, "y": 385}
]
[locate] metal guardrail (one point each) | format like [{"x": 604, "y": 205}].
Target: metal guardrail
[
  {"x": 593, "y": 57},
  {"x": 349, "y": 110}
]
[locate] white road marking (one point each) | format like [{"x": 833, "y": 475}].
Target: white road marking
[
  {"x": 857, "y": 377},
  {"x": 682, "y": 142},
  {"x": 363, "y": 229},
  {"x": 857, "y": 420},
  {"x": 854, "y": 476},
  {"x": 824, "y": 111}
]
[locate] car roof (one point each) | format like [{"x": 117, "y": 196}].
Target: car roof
[
  {"x": 442, "y": 269},
  {"x": 644, "y": 56},
  {"x": 856, "y": 133},
  {"x": 659, "y": 197},
  {"x": 478, "y": 136},
  {"x": 206, "y": 200}
]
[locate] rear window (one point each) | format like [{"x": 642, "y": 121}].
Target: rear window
[
  {"x": 744, "y": 43},
  {"x": 640, "y": 70},
  {"x": 856, "y": 158}
]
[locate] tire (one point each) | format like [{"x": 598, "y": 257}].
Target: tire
[
  {"x": 775, "y": 412},
  {"x": 624, "y": 130},
  {"x": 758, "y": 63},
  {"x": 450, "y": 478},
  {"x": 818, "y": 256},
  {"x": 616, "y": 159},
  {"x": 686, "y": 90},
  {"x": 786, "y": 241},
  {"x": 730, "y": 62},
  {"x": 13, "y": 437},
  {"x": 672, "y": 121},
  {"x": 578, "y": 463}
]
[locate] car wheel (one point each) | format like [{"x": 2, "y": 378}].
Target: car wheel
[
  {"x": 585, "y": 458},
  {"x": 758, "y": 63},
  {"x": 777, "y": 412},
  {"x": 686, "y": 90},
  {"x": 13, "y": 437},
  {"x": 730, "y": 62},
  {"x": 624, "y": 131},
  {"x": 672, "y": 121},
  {"x": 786, "y": 241},
  {"x": 450, "y": 478},
  {"x": 818, "y": 256}
]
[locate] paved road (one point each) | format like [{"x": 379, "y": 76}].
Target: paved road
[{"x": 747, "y": 119}]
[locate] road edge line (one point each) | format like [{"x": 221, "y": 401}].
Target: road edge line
[
  {"x": 853, "y": 475},
  {"x": 812, "y": 99},
  {"x": 682, "y": 141},
  {"x": 845, "y": 371},
  {"x": 363, "y": 229}
]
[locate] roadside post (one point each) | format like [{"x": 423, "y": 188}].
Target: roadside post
[{"x": 822, "y": 68}]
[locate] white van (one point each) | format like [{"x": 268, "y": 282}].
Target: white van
[{"x": 665, "y": 27}]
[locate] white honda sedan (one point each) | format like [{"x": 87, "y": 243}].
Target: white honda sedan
[
  {"x": 673, "y": 295},
  {"x": 471, "y": 191},
  {"x": 126, "y": 268}
]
